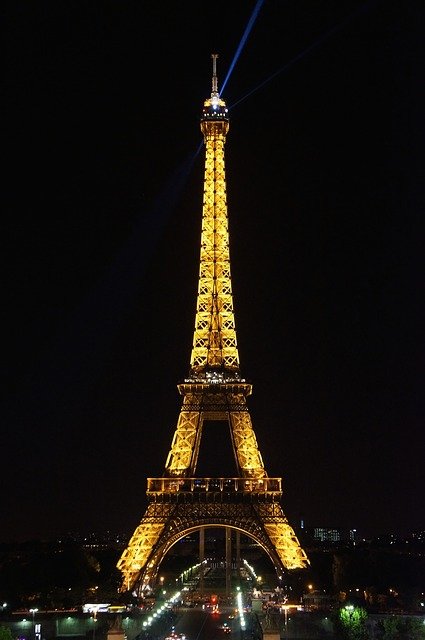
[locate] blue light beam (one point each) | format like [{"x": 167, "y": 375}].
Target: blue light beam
[
  {"x": 243, "y": 41},
  {"x": 302, "y": 54}
]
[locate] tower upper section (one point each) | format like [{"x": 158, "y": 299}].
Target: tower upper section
[
  {"x": 215, "y": 110},
  {"x": 214, "y": 352}
]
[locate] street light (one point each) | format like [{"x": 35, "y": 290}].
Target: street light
[
  {"x": 285, "y": 611},
  {"x": 95, "y": 609},
  {"x": 33, "y": 611}
]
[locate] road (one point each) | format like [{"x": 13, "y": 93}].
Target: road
[{"x": 199, "y": 624}]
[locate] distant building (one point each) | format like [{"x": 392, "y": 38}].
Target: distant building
[
  {"x": 334, "y": 535},
  {"x": 326, "y": 535},
  {"x": 319, "y": 601}
]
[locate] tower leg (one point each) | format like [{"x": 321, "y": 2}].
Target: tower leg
[{"x": 264, "y": 522}]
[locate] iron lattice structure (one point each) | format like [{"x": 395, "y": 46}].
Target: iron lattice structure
[{"x": 179, "y": 502}]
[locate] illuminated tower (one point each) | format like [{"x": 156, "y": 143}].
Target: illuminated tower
[{"x": 180, "y": 502}]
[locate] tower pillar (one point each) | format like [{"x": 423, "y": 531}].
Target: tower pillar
[
  {"x": 201, "y": 559},
  {"x": 228, "y": 534}
]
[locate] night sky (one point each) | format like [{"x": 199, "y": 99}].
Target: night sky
[{"x": 103, "y": 200}]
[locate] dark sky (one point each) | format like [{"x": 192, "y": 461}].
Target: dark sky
[{"x": 103, "y": 189}]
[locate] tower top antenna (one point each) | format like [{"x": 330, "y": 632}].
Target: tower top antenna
[
  {"x": 214, "y": 93},
  {"x": 214, "y": 107}
]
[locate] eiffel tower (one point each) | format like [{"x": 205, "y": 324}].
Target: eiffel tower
[{"x": 179, "y": 502}]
